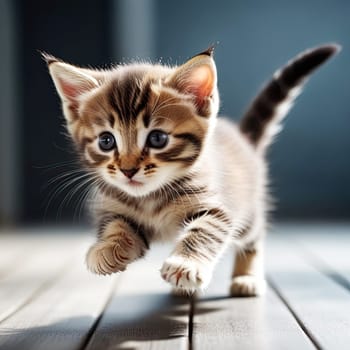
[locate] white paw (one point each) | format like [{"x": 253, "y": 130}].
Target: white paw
[
  {"x": 247, "y": 286},
  {"x": 109, "y": 256},
  {"x": 185, "y": 274}
]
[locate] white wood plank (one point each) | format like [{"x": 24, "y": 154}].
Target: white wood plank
[
  {"x": 142, "y": 313},
  {"x": 319, "y": 303},
  {"x": 61, "y": 316},
  {"x": 17, "y": 246},
  {"x": 221, "y": 322},
  {"x": 44, "y": 257},
  {"x": 10, "y": 254},
  {"x": 327, "y": 247}
]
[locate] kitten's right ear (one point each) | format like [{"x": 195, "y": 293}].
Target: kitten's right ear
[
  {"x": 197, "y": 78},
  {"x": 70, "y": 82}
]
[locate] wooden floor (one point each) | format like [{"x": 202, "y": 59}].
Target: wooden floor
[{"x": 49, "y": 301}]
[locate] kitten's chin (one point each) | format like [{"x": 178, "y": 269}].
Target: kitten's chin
[{"x": 135, "y": 188}]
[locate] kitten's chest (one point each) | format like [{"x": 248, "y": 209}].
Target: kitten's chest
[
  {"x": 164, "y": 221},
  {"x": 163, "y": 213}
]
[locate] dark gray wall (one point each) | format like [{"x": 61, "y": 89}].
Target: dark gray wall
[
  {"x": 310, "y": 165},
  {"x": 9, "y": 147},
  {"x": 76, "y": 31},
  {"x": 309, "y": 162}
]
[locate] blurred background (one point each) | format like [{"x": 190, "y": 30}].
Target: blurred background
[{"x": 310, "y": 167}]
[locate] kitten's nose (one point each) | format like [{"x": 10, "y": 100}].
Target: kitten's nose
[{"x": 129, "y": 172}]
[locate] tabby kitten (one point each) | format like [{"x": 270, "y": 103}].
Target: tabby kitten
[{"x": 169, "y": 169}]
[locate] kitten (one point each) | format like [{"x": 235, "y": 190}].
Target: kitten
[{"x": 167, "y": 168}]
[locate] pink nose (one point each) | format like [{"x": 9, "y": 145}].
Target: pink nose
[{"x": 129, "y": 172}]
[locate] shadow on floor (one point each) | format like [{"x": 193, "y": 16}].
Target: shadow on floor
[{"x": 127, "y": 322}]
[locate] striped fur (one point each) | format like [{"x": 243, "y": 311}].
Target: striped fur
[
  {"x": 261, "y": 122},
  {"x": 205, "y": 189}
]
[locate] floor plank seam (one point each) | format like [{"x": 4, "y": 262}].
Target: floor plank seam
[
  {"x": 322, "y": 267},
  {"x": 190, "y": 322},
  {"x": 40, "y": 290},
  {"x": 293, "y": 313},
  {"x": 91, "y": 332},
  {"x": 338, "y": 278}
]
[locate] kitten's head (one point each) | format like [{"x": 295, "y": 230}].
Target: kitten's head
[{"x": 139, "y": 126}]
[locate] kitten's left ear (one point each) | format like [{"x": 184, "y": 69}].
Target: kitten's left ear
[
  {"x": 197, "y": 77},
  {"x": 71, "y": 83}
]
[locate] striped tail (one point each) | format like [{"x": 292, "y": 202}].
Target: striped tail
[{"x": 262, "y": 120}]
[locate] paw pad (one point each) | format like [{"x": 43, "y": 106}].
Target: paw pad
[{"x": 185, "y": 274}]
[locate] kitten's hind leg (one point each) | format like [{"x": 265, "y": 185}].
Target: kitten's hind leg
[
  {"x": 248, "y": 273},
  {"x": 117, "y": 246}
]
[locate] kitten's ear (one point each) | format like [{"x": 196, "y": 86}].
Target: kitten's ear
[
  {"x": 197, "y": 77},
  {"x": 71, "y": 82}
]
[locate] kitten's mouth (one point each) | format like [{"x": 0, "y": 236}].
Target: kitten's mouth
[{"x": 132, "y": 182}]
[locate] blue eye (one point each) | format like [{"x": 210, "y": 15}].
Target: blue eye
[
  {"x": 157, "y": 139},
  {"x": 106, "y": 141}
]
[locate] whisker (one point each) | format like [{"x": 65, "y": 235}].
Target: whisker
[
  {"x": 85, "y": 194},
  {"x": 72, "y": 192},
  {"x": 48, "y": 167},
  {"x": 67, "y": 174},
  {"x": 91, "y": 194},
  {"x": 69, "y": 180}
]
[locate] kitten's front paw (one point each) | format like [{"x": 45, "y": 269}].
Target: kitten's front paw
[
  {"x": 185, "y": 274},
  {"x": 112, "y": 255},
  {"x": 247, "y": 286}
]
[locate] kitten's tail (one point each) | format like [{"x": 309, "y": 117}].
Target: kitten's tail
[{"x": 262, "y": 119}]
